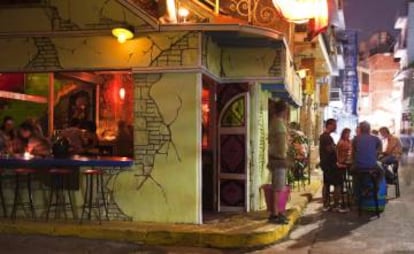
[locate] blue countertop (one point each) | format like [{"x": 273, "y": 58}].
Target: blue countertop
[{"x": 72, "y": 161}]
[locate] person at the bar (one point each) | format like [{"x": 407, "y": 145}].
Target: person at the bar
[
  {"x": 124, "y": 146},
  {"x": 90, "y": 139},
  {"x": 75, "y": 136},
  {"x": 30, "y": 142},
  {"x": 37, "y": 128},
  {"x": 8, "y": 133}
]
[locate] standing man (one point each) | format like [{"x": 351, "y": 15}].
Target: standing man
[
  {"x": 278, "y": 146},
  {"x": 328, "y": 162}
]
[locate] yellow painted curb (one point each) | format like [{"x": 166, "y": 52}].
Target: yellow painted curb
[{"x": 154, "y": 234}]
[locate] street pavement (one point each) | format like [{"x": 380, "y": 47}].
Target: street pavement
[
  {"x": 317, "y": 232},
  {"x": 327, "y": 232}
]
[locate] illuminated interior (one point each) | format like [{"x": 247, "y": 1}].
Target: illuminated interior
[
  {"x": 206, "y": 114},
  {"x": 104, "y": 98}
]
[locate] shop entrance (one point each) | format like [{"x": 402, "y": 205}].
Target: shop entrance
[{"x": 225, "y": 146}]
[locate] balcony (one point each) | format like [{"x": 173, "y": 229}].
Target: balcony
[{"x": 256, "y": 13}]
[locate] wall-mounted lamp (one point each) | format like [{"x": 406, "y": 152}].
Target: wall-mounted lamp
[
  {"x": 122, "y": 93},
  {"x": 123, "y": 33},
  {"x": 183, "y": 14}
]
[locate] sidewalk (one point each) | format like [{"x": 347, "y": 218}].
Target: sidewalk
[{"x": 236, "y": 231}]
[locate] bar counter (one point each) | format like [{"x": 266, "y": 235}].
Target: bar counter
[{"x": 20, "y": 161}]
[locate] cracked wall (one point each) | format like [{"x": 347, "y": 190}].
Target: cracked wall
[
  {"x": 99, "y": 52},
  {"x": 239, "y": 62},
  {"x": 164, "y": 184}
]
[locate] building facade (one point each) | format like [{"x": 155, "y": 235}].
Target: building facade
[
  {"x": 377, "y": 91},
  {"x": 403, "y": 80},
  {"x": 200, "y": 85}
]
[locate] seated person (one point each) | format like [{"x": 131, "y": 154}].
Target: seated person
[
  {"x": 90, "y": 139},
  {"x": 124, "y": 144},
  {"x": 74, "y": 135},
  {"x": 7, "y": 135},
  {"x": 365, "y": 150},
  {"x": 30, "y": 142},
  {"x": 393, "y": 148},
  {"x": 3, "y": 144}
]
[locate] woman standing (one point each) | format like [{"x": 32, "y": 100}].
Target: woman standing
[
  {"x": 343, "y": 154},
  {"x": 344, "y": 148}
]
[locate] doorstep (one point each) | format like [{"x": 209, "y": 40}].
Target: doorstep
[{"x": 237, "y": 231}]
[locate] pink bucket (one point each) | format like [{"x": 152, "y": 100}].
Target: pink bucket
[{"x": 283, "y": 197}]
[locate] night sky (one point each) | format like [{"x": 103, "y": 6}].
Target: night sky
[{"x": 369, "y": 16}]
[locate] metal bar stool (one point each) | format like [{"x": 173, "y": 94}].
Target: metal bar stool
[
  {"x": 395, "y": 166},
  {"x": 90, "y": 202},
  {"x": 59, "y": 182},
  {"x": 346, "y": 188},
  {"x": 3, "y": 204},
  {"x": 19, "y": 175}
]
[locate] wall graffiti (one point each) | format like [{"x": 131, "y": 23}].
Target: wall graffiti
[
  {"x": 172, "y": 56},
  {"x": 277, "y": 68},
  {"x": 46, "y": 57},
  {"x": 153, "y": 133}
]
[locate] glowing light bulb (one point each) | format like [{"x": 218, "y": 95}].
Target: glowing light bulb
[
  {"x": 183, "y": 12},
  {"x": 27, "y": 155},
  {"x": 123, "y": 34},
  {"x": 122, "y": 93},
  {"x": 122, "y": 38}
]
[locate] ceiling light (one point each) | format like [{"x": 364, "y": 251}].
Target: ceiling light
[{"x": 123, "y": 33}]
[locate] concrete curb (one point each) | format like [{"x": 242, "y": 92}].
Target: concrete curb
[{"x": 157, "y": 234}]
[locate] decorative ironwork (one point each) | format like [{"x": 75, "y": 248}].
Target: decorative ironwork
[
  {"x": 256, "y": 12},
  {"x": 235, "y": 114}
]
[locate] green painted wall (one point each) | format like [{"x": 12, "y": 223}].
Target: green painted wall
[
  {"x": 259, "y": 173},
  {"x": 104, "y": 52},
  {"x": 35, "y": 84},
  {"x": 248, "y": 62},
  {"x": 212, "y": 56},
  {"x": 58, "y": 15},
  {"x": 164, "y": 185},
  {"x": 239, "y": 63}
]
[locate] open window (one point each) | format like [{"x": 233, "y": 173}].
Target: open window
[{"x": 100, "y": 101}]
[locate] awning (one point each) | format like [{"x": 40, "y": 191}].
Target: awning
[{"x": 280, "y": 91}]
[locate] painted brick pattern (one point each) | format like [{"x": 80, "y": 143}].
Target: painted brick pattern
[
  {"x": 174, "y": 55},
  {"x": 47, "y": 56},
  {"x": 61, "y": 24},
  {"x": 152, "y": 135},
  {"x": 277, "y": 68}
]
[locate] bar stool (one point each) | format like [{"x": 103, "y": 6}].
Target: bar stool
[
  {"x": 59, "y": 181},
  {"x": 89, "y": 202},
  {"x": 3, "y": 204},
  {"x": 346, "y": 188},
  {"x": 19, "y": 174},
  {"x": 394, "y": 166}
]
